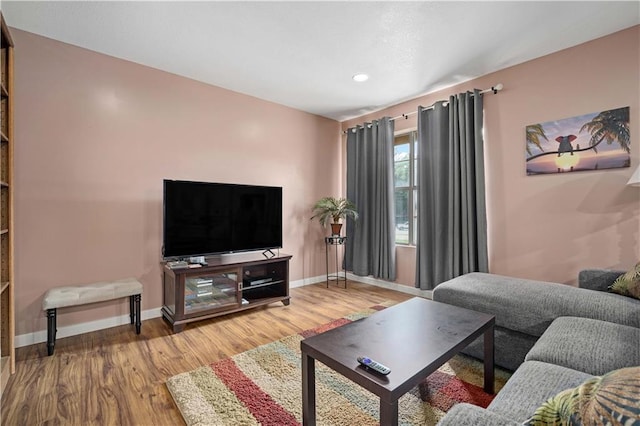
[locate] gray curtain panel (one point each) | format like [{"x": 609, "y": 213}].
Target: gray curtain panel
[
  {"x": 370, "y": 246},
  {"x": 452, "y": 218}
]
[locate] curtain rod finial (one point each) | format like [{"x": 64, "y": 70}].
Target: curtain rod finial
[{"x": 497, "y": 87}]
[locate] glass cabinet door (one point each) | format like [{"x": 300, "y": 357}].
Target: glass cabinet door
[{"x": 209, "y": 291}]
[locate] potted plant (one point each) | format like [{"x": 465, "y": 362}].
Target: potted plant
[{"x": 334, "y": 209}]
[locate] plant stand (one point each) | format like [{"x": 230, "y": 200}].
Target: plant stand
[{"x": 335, "y": 241}]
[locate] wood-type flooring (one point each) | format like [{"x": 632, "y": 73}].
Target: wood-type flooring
[{"x": 115, "y": 377}]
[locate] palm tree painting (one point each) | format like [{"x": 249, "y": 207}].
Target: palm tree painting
[
  {"x": 534, "y": 133},
  {"x": 595, "y": 141}
]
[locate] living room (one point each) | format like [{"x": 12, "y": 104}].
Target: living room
[{"x": 98, "y": 134}]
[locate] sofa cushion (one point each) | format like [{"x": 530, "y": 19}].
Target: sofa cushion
[
  {"x": 530, "y": 306},
  {"x": 606, "y": 400},
  {"x": 598, "y": 278},
  {"x": 472, "y": 415},
  {"x": 628, "y": 284},
  {"x": 588, "y": 345},
  {"x": 530, "y": 386}
]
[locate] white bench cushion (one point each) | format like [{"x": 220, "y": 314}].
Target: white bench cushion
[{"x": 89, "y": 293}]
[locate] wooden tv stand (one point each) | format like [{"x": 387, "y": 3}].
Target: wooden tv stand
[{"x": 227, "y": 284}]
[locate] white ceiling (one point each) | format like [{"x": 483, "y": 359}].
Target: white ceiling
[{"x": 303, "y": 54}]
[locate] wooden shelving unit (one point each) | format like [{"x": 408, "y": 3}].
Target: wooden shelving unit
[{"x": 7, "y": 314}]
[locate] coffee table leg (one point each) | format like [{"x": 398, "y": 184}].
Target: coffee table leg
[
  {"x": 308, "y": 390},
  {"x": 388, "y": 413},
  {"x": 423, "y": 387},
  {"x": 488, "y": 361}
]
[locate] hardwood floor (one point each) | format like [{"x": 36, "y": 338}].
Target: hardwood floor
[{"x": 115, "y": 377}]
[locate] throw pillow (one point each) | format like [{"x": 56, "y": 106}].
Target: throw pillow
[
  {"x": 612, "y": 399},
  {"x": 628, "y": 284}
]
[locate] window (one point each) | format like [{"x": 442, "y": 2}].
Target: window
[{"x": 405, "y": 193}]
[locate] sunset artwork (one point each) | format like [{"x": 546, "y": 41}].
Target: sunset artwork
[{"x": 595, "y": 141}]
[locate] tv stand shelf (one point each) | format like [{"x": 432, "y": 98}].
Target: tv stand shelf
[
  {"x": 224, "y": 286},
  {"x": 253, "y": 286}
]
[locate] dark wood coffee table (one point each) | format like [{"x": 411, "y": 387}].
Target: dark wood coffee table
[{"x": 413, "y": 339}]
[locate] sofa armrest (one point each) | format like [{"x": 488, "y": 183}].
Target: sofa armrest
[
  {"x": 597, "y": 279},
  {"x": 472, "y": 415}
]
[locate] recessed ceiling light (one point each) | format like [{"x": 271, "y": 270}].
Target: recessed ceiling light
[{"x": 360, "y": 78}]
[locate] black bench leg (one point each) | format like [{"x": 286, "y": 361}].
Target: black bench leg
[
  {"x": 51, "y": 330},
  {"x": 138, "y": 319},
  {"x": 131, "y": 311}
]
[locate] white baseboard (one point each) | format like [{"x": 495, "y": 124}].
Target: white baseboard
[
  {"x": 87, "y": 327},
  {"x": 367, "y": 280},
  {"x": 307, "y": 281},
  {"x": 391, "y": 286}
]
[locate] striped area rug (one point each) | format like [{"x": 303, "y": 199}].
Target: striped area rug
[{"x": 262, "y": 386}]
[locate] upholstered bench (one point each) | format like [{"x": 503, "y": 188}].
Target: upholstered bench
[{"x": 62, "y": 297}]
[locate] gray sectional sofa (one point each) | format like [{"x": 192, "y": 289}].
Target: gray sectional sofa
[
  {"x": 553, "y": 335},
  {"x": 525, "y": 308}
]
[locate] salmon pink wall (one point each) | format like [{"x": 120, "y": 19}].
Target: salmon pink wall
[
  {"x": 96, "y": 135},
  {"x": 550, "y": 227}
]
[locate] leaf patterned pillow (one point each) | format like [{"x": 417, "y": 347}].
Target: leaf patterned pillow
[
  {"x": 628, "y": 284},
  {"x": 613, "y": 399}
]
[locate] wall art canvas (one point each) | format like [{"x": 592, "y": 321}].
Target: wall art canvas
[{"x": 595, "y": 141}]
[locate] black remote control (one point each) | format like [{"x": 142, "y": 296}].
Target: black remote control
[{"x": 375, "y": 366}]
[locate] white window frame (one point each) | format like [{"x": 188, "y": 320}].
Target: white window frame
[{"x": 411, "y": 188}]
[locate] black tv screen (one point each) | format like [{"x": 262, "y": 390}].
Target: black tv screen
[{"x": 203, "y": 218}]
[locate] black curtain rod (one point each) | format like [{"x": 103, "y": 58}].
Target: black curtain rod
[{"x": 494, "y": 89}]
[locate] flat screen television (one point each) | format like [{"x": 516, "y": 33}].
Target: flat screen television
[{"x": 204, "y": 218}]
